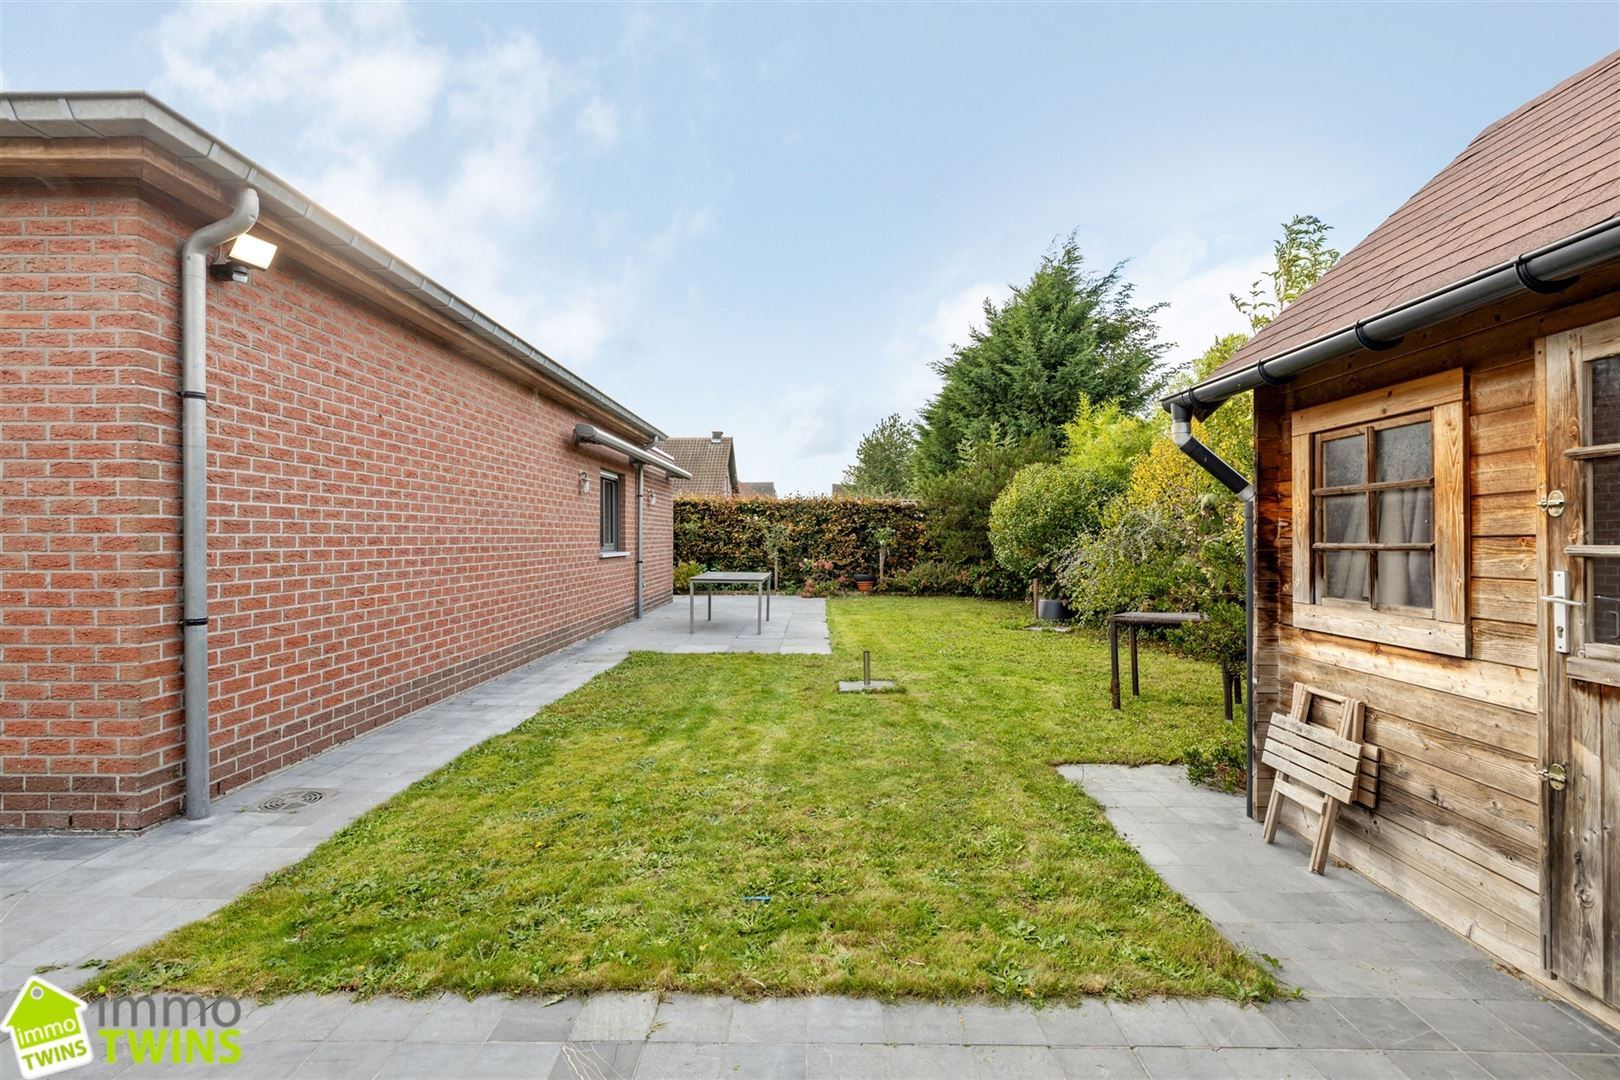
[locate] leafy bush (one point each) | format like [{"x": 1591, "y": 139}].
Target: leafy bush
[
  {"x": 685, "y": 572},
  {"x": 939, "y": 578},
  {"x": 1046, "y": 508},
  {"x": 958, "y": 504},
  {"x": 1221, "y": 763},
  {"x": 744, "y": 534}
]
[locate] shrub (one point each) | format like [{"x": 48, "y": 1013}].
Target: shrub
[
  {"x": 1038, "y": 517},
  {"x": 745, "y": 534},
  {"x": 958, "y": 503},
  {"x": 939, "y": 578},
  {"x": 1221, "y": 763},
  {"x": 685, "y": 572}
]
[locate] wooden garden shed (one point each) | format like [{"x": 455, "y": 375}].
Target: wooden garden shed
[{"x": 1435, "y": 525}]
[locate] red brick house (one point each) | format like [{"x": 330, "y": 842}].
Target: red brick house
[{"x": 402, "y": 497}]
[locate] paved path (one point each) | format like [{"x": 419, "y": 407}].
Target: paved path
[{"x": 125, "y": 891}]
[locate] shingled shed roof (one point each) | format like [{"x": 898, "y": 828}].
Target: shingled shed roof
[
  {"x": 711, "y": 459},
  {"x": 1545, "y": 171}
]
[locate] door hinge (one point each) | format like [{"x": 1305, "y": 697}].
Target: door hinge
[{"x": 1555, "y": 776}]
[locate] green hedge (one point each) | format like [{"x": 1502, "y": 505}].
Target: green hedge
[{"x": 825, "y": 538}]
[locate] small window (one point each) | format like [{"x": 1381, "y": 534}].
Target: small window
[
  {"x": 610, "y": 512},
  {"x": 1379, "y": 529},
  {"x": 1374, "y": 516}
]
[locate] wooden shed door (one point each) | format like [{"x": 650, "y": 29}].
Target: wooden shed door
[{"x": 1579, "y": 555}]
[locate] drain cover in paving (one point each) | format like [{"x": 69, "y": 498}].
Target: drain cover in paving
[{"x": 290, "y": 802}]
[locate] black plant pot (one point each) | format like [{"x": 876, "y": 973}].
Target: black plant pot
[{"x": 1051, "y": 611}]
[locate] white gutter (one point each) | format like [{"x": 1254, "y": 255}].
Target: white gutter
[{"x": 194, "y": 484}]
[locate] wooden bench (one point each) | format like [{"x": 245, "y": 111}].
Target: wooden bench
[{"x": 1318, "y": 769}]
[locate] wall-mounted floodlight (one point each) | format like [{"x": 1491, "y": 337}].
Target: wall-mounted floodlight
[{"x": 241, "y": 254}]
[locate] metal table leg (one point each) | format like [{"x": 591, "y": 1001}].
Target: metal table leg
[
  {"x": 1136, "y": 683},
  {"x": 759, "y": 611},
  {"x": 710, "y": 616},
  {"x": 1113, "y": 661},
  {"x": 691, "y": 608}
]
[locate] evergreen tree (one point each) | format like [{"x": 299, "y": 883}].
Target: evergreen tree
[
  {"x": 883, "y": 459},
  {"x": 1066, "y": 334}
]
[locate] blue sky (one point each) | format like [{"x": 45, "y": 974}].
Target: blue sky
[{"x": 770, "y": 219}]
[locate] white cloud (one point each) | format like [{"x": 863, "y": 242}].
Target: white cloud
[
  {"x": 600, "y": 121},
  {"x": 361, "y": 80},
  {"x": 1177, "y": 270}
]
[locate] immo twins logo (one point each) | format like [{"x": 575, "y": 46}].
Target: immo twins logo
[
  {"x": 48, "y": 1035},
  {"x": 47, "y": 1030}
]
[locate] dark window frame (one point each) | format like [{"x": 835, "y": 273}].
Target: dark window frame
[
  {"x": 611, "y": 509},
  {"x": 1369, "y": 489}
]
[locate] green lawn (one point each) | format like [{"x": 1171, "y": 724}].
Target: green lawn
[{"x": 916, "y": 843}]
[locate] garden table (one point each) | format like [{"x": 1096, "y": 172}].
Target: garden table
[
  {"x": 729, "y": 577},
  {"x": 1135, "y": 620}
]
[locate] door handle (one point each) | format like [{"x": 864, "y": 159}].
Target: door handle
[
  {"x": 1555, "y": 775},
  {"x": 1566, "y": 601},
  {"x": 1561, "y": 602}
]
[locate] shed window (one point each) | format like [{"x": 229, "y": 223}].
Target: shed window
[
  {"x": 611, "y": 504},
  {"x": 1374, "y": 512},
  {"x": 1379, "y": 532}
]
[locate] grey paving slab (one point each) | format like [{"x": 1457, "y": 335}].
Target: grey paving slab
[
  {"x": 771, "y": 1020},
  {"x": 781, "y": 1061},
  {"x": 848, "y": 1061},
  {"x": 680, "y": 1061},
  {"x": 1088, "y": 1024},
  {"x": 914, "y": 1022},
  {"x": 692, "y": 1018},
  {"x": 615, "y": 1018},
  {"x": 996, "y": 1025},
  {"x": 596, "y": 1061},
  {"x": 1086, "y": 1063},
  {"x": 927, "y": 1062}
]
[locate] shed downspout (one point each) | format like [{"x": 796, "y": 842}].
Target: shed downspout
[
  {"x": 1234, "y": 481},
  {"x": 194, "y": 484}
]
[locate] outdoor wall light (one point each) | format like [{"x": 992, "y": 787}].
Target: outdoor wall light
[
  {"x": 584, "y": 483},
  {"x": 240, "y": 255}
]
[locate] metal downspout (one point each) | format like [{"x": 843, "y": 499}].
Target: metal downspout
[
  {"x": 1234, "y": 481},
  {"x": 641, "y": 512},
  {"x": 194, "y": 484}
]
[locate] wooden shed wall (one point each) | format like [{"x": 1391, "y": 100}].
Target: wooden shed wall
[{"x": 1457, "y": 828}]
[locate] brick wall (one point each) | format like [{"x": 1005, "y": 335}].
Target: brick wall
[{"x": 389, "y": 522}]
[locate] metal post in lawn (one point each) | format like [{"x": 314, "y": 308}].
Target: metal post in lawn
[{"x": 866, "y": 666}]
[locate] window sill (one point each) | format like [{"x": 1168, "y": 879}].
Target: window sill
[
  {"x": 1385, "y": 627},
  {"x": 614, "y": 555}
]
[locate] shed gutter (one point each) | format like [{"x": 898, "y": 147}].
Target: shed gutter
[
  {"x": 133, "y": 113},
  {"x": 1546, "y": 269}
]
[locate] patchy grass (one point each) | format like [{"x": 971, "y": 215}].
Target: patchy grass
[{"x": 733, "y": 824}]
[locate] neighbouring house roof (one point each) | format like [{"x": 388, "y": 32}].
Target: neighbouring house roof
[
  {"x": 711, "y": 459},
  {"x": 766, "y": 488},
  {"x": 1545, "y": 171},
  {"x": 123, "y": 115}
]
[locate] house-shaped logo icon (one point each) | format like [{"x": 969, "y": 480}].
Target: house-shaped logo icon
[{"x": 47, "y": 1030}]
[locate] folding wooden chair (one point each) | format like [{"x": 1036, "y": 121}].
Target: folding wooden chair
[{"x": 1317, "y": 769}]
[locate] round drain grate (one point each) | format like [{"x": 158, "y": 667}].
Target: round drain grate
[{"x": 286, "y": 802}]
